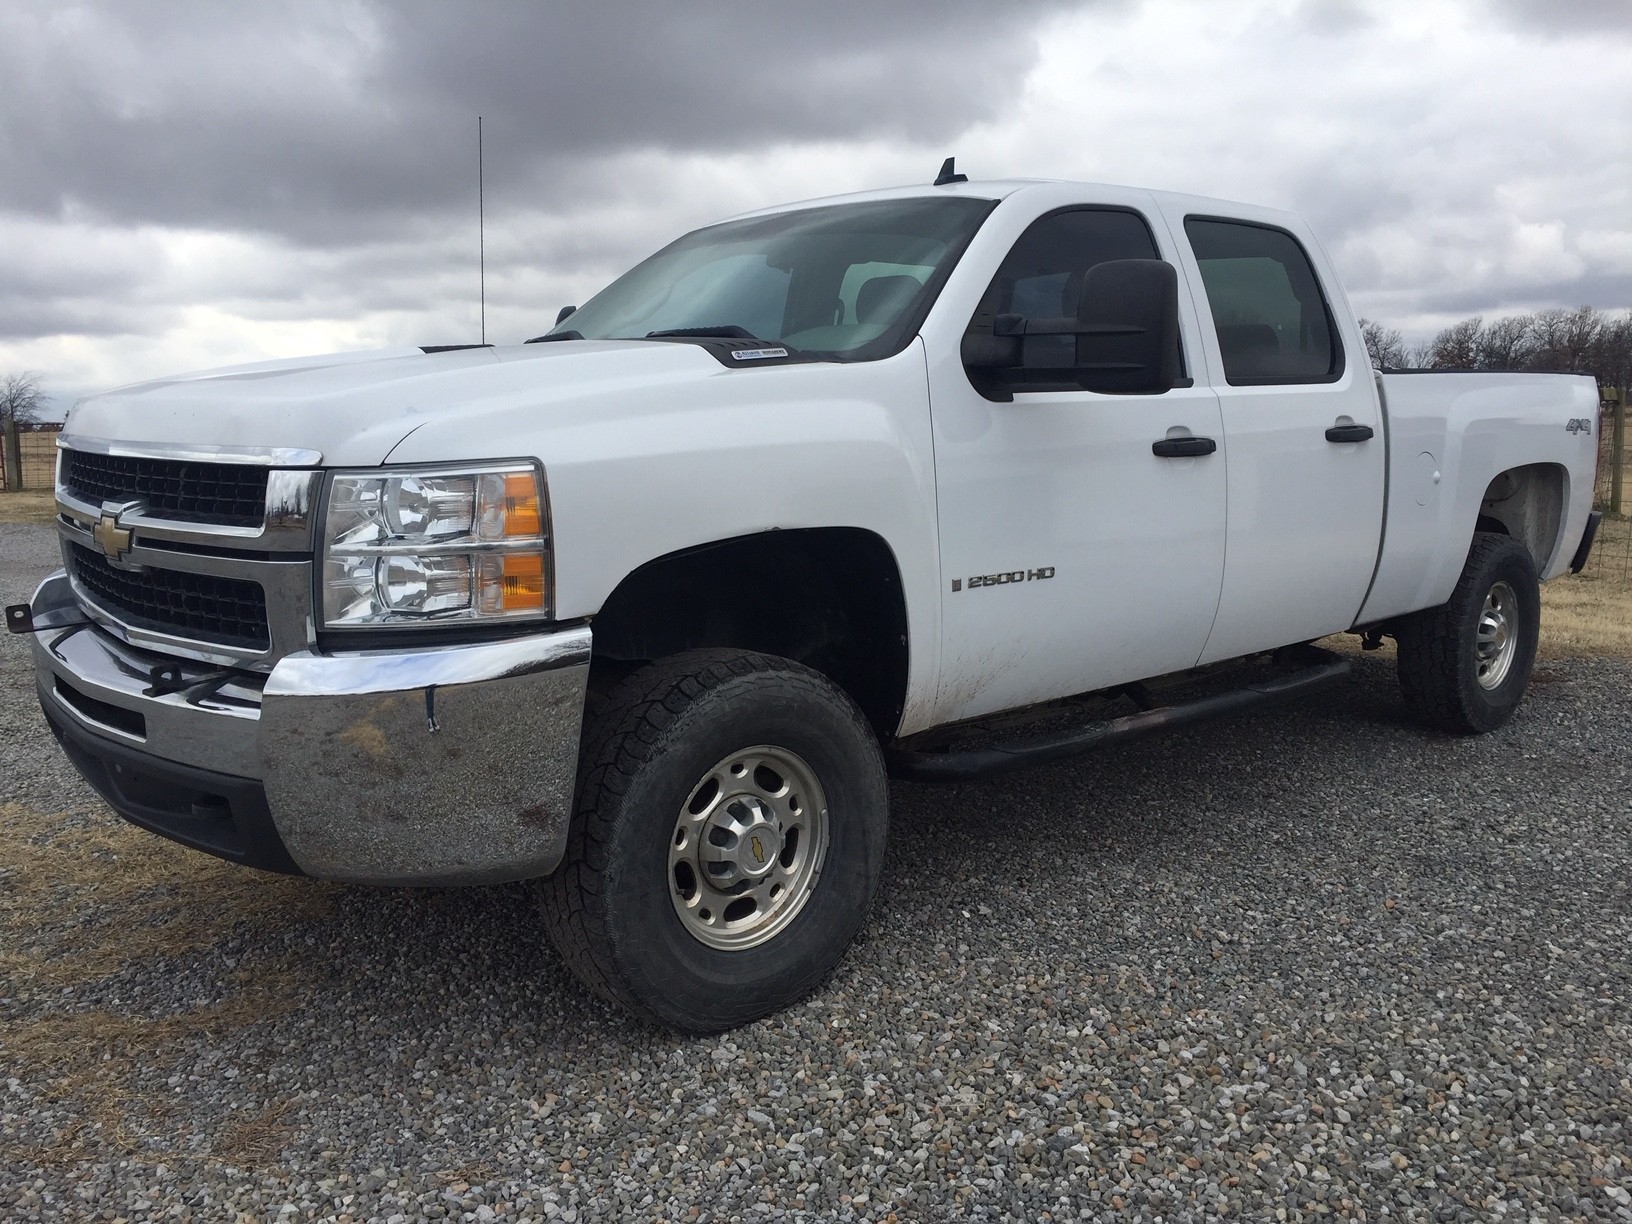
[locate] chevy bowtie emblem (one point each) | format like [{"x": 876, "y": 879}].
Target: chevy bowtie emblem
[
  {"x": 758, "y": 849},
  {"x": 112, "y": 539}
]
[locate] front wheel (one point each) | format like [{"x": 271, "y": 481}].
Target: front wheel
[
  {"x": 728, "y": 838},
  {"x": 1464, "y": 666}
]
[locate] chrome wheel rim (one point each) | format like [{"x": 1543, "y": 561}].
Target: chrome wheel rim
[
  {"x": 747, "y": 847},
  {"x": 1496, "y": 639}
]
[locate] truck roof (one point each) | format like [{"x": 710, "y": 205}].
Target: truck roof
[{"x": 999, "y": 189}]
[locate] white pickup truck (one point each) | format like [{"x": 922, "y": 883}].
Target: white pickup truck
[{"x": 941, "y": 479}]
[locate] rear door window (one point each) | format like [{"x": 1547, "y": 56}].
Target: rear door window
[{"x": 1273, "y": 323}]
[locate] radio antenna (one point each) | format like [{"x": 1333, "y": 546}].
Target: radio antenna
[{"x": 481, "y": 225}]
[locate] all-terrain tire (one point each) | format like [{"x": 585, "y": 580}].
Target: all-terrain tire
[
  {"x": 1464, "y": 666},
  {"x": 635, "y": 918}
]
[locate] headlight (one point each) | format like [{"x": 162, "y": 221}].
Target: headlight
[{"x": 412, "y": 546}]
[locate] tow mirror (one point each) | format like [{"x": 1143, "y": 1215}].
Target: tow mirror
[
  {"x": 1124, "y": 338},
  {"x": 1129, "y": 315}
]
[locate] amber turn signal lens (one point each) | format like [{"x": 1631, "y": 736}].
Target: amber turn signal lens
[
  {"x": 522, "y": 514},
  {"x": 523, "y": 583}
]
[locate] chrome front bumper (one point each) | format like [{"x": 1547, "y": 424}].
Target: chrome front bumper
[{"x": 433, "y": 765}]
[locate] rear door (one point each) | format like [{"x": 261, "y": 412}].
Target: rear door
[{"x": 1303, "y": 434}]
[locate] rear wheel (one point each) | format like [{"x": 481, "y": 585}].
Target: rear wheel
[
  {"x": 728, "y": 837},
  {"x": 1464, "y": 666}
]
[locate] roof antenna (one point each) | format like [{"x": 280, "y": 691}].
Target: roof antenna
[
  {"x": 949, "y": 175},
  {"x": 481, "y": 224}
]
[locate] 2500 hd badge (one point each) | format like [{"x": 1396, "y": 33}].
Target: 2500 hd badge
[{"x": 1006, "y": 578}]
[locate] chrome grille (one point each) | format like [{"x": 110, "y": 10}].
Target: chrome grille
[
  {"x": 185, "y": 490},
  {"x": 207, "y": 608}
]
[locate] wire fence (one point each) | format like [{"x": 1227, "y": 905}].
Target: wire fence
[
  {"x": 1612, "y": 552},
  {"x": 38, "y": 448}
]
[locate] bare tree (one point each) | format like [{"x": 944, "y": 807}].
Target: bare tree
[
  {"x": 1565, "y": 337},
  {"x": 1585, "y": 340},
  {"x": 1384, "y": 345},
  {"x": 1457, "y": 347},
  {"x": 1507, "y": 344},
  {"x": 1610, "y": 357},
  {"x": 20, "y": 398},
  {"x": 1419, "y": 356}
]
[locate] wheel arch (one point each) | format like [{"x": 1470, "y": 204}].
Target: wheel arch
[
  {"x": 829, "y": 597},
  {"x": 1529, "y": 503}
]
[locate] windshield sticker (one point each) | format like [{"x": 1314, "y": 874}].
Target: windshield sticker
[{"x": 758, "y": 354}]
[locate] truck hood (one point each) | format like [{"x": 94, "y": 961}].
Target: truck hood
[{"x": 353, "y": 409}]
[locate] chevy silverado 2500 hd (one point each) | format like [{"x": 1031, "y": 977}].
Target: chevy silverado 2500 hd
[{"x": 943, "y": 479}]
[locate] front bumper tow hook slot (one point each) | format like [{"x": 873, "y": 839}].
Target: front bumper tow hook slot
[{"x": 164, "y": 679}]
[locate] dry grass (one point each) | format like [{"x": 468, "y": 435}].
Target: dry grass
[
  {"x": 257, "y": 1141},
  {"x": 1590, "y": 613},
  {"x": 1587, "y": 615},
  {"x": 84, "y": 896},
  {"x": 28, "y": 506}
]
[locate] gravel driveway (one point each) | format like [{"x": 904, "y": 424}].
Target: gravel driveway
[{"x": 1314, "y": 961}]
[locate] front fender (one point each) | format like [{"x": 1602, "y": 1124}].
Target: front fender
[{"x": 639, "y": 471}]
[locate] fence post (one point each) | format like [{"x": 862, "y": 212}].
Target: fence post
[
  {"x": 1617, "y": 452},
  {"x": 14, "y": 454}
]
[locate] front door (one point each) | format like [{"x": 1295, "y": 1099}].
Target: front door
[{"x": 1072, "y": 556}]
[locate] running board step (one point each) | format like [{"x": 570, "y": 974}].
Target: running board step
[{"x": 957, "y": 765}]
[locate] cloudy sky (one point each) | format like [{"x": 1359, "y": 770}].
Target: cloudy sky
[{"x": 194, "y": 184}]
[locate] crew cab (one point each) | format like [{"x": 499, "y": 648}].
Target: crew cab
[{"x": 941, "y": 480}]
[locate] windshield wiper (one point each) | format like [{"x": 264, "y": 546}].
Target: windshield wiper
[
  {"x": 722, "y": 331},
  {"x": 566, "y": 335}
]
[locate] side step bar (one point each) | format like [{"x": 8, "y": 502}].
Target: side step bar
[{"x": 962, "y": 764}]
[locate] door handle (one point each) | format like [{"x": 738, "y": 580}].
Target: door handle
[
  {"x": 1348, "y": 433},
  {"x": 1182, "y": 448}
]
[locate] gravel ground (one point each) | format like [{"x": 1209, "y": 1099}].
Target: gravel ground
[{"x": 1314, "y": 962}]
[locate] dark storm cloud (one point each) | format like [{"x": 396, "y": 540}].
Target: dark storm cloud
[
  {"x": 324, "y": 122},
  {"x": 194, "y": 182},
  {"x": 1568, "y": 16},
  {"x": 24, "y": 318}
]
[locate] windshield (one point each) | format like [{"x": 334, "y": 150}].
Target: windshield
[{"x": 850, "y": 281}]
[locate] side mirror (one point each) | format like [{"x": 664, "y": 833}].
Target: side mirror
[
  {"x": 1129, "y": 320},
  {"x": 1124, "y": 338},
  {"x": 563, "y": 313}
]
